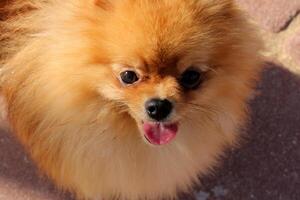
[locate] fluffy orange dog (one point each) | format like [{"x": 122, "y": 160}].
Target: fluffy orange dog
[{"x": 127, "y": 99}]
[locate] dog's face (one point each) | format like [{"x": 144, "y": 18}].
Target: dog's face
[{"x": 167, "y": 63}]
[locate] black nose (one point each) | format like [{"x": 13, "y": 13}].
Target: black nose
[{"x": 158, "y": 109}]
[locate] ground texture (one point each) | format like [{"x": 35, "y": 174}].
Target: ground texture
[{"x": 265, "y": 167}]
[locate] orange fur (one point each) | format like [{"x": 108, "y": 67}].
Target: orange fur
[{"x": 59, "y": 77}]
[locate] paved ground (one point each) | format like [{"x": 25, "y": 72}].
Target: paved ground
[{"x": 266, "y": 167}]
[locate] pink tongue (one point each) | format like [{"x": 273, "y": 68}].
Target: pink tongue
[{"x": 159, "y": 133}]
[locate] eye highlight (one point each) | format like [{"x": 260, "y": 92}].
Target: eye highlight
[
  {"x": 129, "y": 77},
  {"x": 191, "y": 79}
]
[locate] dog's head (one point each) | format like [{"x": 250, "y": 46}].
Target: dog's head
[{"x": 167, "y": 64}]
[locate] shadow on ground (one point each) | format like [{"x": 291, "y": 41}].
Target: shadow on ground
[{"x": 266, "y": 167}]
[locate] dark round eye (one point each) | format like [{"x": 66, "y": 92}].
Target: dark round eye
[
  {"x": 190, "y": 79},
  {"x": 129, "y": 77}
]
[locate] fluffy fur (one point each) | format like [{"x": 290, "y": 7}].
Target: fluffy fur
[{"x": 59, "y": 78}]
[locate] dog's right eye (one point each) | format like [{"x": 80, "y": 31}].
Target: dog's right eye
[{"x": 129, "y": 77}]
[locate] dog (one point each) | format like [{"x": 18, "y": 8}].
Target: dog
[{"x": 131, "y": 99}]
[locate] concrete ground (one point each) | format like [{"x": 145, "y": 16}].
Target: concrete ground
[{"x": 265, "y": 167}]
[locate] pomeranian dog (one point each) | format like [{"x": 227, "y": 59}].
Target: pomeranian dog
[{"x": 127, "y": 99}]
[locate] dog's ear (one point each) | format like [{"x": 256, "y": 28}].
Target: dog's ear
[{"x": 104, "y": 4}]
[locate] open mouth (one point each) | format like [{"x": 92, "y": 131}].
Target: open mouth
[{"x": 160, "y": 133}]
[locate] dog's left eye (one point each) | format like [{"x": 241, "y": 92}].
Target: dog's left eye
[
  {"x": 129, "y": 77},
  {"x": 191, "y": 79}
]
